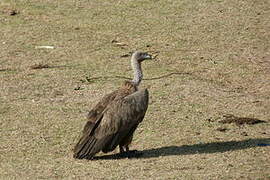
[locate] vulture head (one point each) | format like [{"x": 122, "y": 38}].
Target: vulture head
[{"x": 140, "y": 56}]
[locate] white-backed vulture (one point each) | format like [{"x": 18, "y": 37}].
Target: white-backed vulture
[{"x": 114, "y": 119}]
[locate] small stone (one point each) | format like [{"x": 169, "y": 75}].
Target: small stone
[
  {"x": 244, "y": 134},
  {"x": 221, "y": 129},
  {"x": 13, "y": 12}
]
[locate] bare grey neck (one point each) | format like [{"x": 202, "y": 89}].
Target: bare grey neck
[{"x": 138, "y": 75}]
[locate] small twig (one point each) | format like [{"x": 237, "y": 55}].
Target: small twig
[
  {"x": 147, "y": 79},
  {"x": 40, "y": 66}
]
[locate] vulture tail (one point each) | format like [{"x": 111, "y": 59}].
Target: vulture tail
[{"x": 86, "y": 147}]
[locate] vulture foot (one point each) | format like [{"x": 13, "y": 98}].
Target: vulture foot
[{"x": 130, "y": 154}]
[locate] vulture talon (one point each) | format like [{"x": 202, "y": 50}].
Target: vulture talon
[
  {"x": 134, "y": 154},
  {"x": 132, "y": 151},
  {"x": 130, "y": 154}
]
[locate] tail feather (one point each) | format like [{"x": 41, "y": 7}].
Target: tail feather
[{"x": 85, "y": 148}]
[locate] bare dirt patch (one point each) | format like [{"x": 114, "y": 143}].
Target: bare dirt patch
[{"x": 229, "y": 118}]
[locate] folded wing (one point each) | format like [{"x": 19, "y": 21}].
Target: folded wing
[{"x": 118, "y": 121}]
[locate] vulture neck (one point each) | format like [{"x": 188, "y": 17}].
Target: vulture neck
[{"x": 138, "y": 75}]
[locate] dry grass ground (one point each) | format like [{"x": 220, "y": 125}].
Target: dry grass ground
[{"x": 213, "y": 59}]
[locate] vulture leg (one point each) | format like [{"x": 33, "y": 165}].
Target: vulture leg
[
  {"x": 121, "y": 148},
  {"x": 129, "y": 154}
]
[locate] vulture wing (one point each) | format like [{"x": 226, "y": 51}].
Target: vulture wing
[
  {"x": 118, "y": 120},
  {"x": 93, "y": 116}
]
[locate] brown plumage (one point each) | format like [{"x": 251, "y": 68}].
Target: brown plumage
[{"x": 114, "y": 119}]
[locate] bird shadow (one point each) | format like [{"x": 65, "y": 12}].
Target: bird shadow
[{"x": 205, "y": 148}]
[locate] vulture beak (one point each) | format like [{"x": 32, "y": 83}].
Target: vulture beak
[{"x": 148, "y": 56}]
